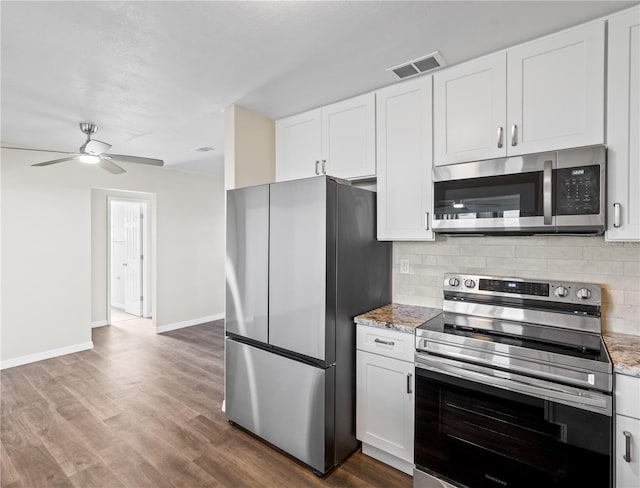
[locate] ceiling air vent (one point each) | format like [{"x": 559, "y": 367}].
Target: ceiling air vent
[
  {"x": 204, "y": 149},
  {"x": 420, "y": 65}
]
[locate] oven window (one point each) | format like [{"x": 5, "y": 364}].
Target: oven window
[
  {"x": 507, "y": 196},
  {"x": 483, "y": 436}
]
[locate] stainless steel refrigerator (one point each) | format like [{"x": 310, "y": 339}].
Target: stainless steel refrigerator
[{"x": 302, "y": 261}]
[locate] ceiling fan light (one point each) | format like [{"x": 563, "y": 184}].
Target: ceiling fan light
[{"x": 89, "y": 158}]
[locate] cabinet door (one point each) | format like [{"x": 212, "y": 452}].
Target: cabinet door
[
  {"x": 384, "y": 404},
  {"x": 627, "y": 472},
  {"x": 298, "y": 149},
  {"x": 623, "y": 127},
  {"x": 555, "y": 91},
  {"x": 348, "y": 138},
  {"x": 404, "y": 187},
  {"x": 469, "y": 111}
]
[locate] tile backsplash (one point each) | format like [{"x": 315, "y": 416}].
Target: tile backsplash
[{"x": 616, "y": 266}]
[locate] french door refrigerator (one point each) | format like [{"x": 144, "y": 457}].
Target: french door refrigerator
[{"x": 302, "y": 261}]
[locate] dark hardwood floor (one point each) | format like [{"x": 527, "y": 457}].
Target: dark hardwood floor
[{"x": 143, "y": 410}]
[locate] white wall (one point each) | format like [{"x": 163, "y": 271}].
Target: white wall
[
  {"x": 590, "y": 259},
  {"x": 48, "y": 297}
]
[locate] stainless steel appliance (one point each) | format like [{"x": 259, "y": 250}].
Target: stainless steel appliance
[
  {"x": 302, "y": 261},
  {"x": 513, "y": 387},
  {"x": 546, "y": 193}
]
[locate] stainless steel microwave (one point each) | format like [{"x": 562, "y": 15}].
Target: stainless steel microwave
[{"x": 544, "y": 193}]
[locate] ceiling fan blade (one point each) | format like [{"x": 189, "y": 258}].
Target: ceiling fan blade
[
  {"x": 38, "y": 150},
  {"x": 136, "y": 159},
  {"x": 111, "y": 167},
  {"x": 55, "y": 161},
  {"x": 93, "y": 146}
]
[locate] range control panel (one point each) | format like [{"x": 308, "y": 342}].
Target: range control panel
[{"x": 554, "y": 291}]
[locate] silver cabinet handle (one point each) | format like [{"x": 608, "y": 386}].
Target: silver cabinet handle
[
  {"x": 124, "y": 264},
  {"x": 500, "y": 131},
  {"x": 409, "y": 375},
  {"x": 317, "y": 163},
  {"x": 324, "y": 169},
  {"x": 627, "y": 448},
  {"x": 426, "y": 221},
  {"x": 616, "y": 215},
  {"x": 386, "y": 343},
  {"x": 546, "y": 192},
  {"x": 514, "y": 135}
]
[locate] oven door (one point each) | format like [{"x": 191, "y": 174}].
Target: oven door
[
  {"x": 500, "y": 195},
  {"x": 476, "y": 427}
]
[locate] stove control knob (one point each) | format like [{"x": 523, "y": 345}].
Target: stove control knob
[
  {"x": 469, "y": 283},
  {"x": 561, "y": 291},
  {"x": 454, "y": 281},
  {"x": 584, "y": 293}
]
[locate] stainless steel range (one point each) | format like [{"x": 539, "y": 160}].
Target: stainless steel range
[{"x": 513, "y": 386}]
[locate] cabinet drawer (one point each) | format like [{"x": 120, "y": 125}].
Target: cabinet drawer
[
  {"x": 390, "y": 343},
  {"x": 627, "y": 391}
]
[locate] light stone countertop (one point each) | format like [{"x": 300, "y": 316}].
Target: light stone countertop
[
  {"x": 396, "y": 316},
  {"x": 624, "y": 350}
]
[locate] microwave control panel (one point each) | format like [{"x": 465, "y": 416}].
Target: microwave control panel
[{"x": 577, "y": 190}]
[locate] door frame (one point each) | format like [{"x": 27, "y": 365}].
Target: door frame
[{"x": 147, "y": 262}]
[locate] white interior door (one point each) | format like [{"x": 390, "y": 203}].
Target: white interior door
[{"x": 133, "y": 260}]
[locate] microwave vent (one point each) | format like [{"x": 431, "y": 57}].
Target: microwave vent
[{"x": 418, "y": 66}]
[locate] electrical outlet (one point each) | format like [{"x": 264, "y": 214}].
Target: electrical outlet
[{"x": 404, "y": 266}]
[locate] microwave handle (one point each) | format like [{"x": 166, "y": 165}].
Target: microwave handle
[{"x": 546, "y": 192}]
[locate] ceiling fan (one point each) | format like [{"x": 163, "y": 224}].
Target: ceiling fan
[{"x": 94, "y": 152}]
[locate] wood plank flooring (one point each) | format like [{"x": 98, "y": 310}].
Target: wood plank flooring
[{"x": 143, "y": 410}]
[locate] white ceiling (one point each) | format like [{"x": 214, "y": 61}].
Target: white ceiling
[{"x": 157, "y": 76}]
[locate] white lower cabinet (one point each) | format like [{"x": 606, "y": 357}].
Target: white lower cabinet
[
  {"x": 385, "y": 406},
  {"x": 627, "y": 469},
  {"x": 627, "y": 431}
]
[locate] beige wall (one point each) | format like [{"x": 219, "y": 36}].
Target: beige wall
[
  {"x": 249, "y": 149},
  {"x": 48, "y": 297},
  {"x": 590, "y": 259}
]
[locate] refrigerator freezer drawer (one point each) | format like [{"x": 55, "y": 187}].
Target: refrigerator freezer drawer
[{"x": 286, "y": 402}]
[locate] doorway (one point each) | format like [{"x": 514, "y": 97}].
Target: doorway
[{"x": 129, "y": 270}]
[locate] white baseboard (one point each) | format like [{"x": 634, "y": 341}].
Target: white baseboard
[
  {"x": 188, "y": 323},
  {"x": 389, "y": 459},
  {"x": 32, "y": 358},
  {"x": 119, "y": 306},
  {"x": 99, "y": 323}
]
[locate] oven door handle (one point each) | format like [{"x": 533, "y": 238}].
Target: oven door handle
[{"x": 545, "y": 390}]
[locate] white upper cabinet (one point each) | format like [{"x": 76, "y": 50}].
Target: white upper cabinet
[
  {"x": 470, "y": 106},
  {"x": 623, "y": 127},
  {"x": 337, "y": 140},
  {"x": 555, "y": 88},
  {"x": 349, "y": 138},
  {"x": 404, "y": 148},
  {"x": 298, "y": 145},
  {"x": 545, "y": 95}
]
